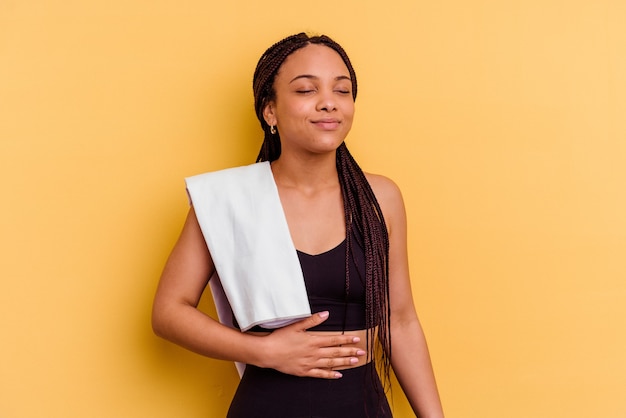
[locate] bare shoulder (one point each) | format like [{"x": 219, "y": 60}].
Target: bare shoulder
[
  {"x": 389, "y": 198},
  {"x": 386, "y": 190}
]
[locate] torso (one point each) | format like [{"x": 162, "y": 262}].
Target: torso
[
  {"x": 316, "y": 223},
  {"x": 330, "y": 288}
]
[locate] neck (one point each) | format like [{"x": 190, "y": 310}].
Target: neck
[{"x": 312, "y": 172}]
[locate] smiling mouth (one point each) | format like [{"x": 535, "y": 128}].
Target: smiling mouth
[{"x": 327, "y": 124}]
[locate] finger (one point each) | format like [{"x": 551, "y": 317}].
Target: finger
[
  {"x": 341, "y": 352},
  {"x": 336, "y": 358},
  {"x": 336, "y": 340},
  {"x": 335, "y": 362},
  {"x": 312, "y": 321},
  {"x": 324, "y": 374}
]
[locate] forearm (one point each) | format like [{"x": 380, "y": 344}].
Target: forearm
[
  {"x": 291, "y": 349},
  {"x": 185, "y": 325},
  {"x": 412, "y": 366}
]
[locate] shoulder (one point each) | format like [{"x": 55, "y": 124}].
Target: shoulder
[
  {"x": 385, "y": 189},
  {"x": 250, "y": 170},
  {"x": 389, "y": 197},
  {"x": 235, "y": 180}
]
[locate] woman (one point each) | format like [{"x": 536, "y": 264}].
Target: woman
[{"x": 349, "y": 229}]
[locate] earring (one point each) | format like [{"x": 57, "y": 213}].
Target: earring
[{"x": 273, "y": 129}]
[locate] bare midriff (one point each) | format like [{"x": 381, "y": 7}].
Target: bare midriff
[{"x": 361, "y": 334}]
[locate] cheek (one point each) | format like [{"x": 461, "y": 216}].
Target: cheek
[
  {"x": 294, "y": 112},
  {"x": 349, "y": 112}
]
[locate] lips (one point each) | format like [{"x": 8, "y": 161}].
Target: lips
[{"x": 327, "y": 124}]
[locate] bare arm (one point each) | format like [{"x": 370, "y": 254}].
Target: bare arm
[
  {"x": 410, "y": 358},
  {"x": 175, "y": 317}
]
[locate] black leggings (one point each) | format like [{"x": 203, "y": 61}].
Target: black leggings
[{"x": 267, "y": 393}]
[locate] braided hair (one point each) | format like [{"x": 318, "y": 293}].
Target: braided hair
[{"x": 361, "y": 209}]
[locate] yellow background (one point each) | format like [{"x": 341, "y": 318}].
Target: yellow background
[{"x": 502, "y": 121}]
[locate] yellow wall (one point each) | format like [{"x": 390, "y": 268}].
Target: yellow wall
[{"x": 503, "y": 122}]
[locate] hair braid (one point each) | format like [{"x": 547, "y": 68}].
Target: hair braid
[
  {"x": 363, "y": 213},
  {"x": 361, "y": 209}
]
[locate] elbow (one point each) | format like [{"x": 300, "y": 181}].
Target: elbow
[
  {"x": 156, "y": 327},
  {"x": 166, "y": 318},
  {"x": 158, "y": 321}
]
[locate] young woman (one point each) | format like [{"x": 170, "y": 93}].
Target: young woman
[{"x": 348, "y": 234}]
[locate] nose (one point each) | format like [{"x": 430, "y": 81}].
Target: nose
[{"x": 327, "y": 102}]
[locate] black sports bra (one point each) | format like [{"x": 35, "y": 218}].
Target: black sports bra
[{"x": 325, "y": 281}]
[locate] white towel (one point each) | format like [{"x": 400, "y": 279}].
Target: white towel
[{"x": 246, "y": 231}]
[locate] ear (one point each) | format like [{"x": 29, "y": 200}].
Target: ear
[{"x": 269, "y": 113}]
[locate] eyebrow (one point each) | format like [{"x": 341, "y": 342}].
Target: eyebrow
[{"x": 313, "y": 77}]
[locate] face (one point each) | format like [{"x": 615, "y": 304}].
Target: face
[{"x": 313, "y": 106}]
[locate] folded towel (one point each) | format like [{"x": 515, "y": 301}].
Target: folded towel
[{"x": 243, "y": 223}]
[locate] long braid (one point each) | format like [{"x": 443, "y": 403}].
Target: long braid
[
  {"x": 361, "y": 209},
  {"x": 363, "y": 212}
]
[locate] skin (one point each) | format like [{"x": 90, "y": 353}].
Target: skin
[{"x": 313, "y": 112}]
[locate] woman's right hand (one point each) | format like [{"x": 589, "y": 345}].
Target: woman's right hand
[{"x": 294, "y": 351}]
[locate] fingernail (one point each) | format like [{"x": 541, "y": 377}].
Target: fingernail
[
  {"x": 356, "y": 339},
  {"x": 338, "y": 375},
  {"x": 323, "y": 315},
  {"x": 354, "y": 360},
  {"x": 360, "y": 353}
]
